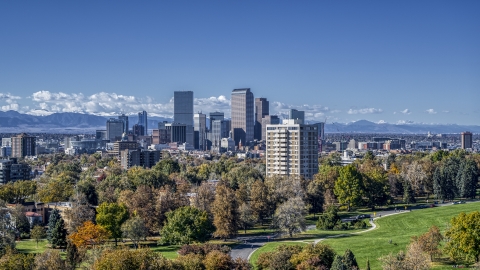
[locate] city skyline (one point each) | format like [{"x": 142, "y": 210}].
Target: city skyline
[{"x": 379, "y": 61}]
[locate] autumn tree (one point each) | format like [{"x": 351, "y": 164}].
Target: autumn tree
[
  {"x": 49, "y": 260},
  {"x": 186, "y": 225},
  {"x": 463, "y": 238},
  {"x": 205, "y": 197},
  {"x": 290, "y": 216},
  {"x": 246, "y": 216},
  {"x": 79, "y": 213},
  {"x": 141, "y": 259},
  {"x": 349, "y": 187},
  {"x": 430, "y": 241},
  {"x": 259, "y": 200},
  {"x": 56, "y": 189},
  {"x": 89, "y": 234},
  {"x": 111, "y": 216},
  {"x": 225, "y": 212},
  {"x": 37, "y": 234},
  {"x": 141, "y": 202},
  {"x": 134, "y": 229}
]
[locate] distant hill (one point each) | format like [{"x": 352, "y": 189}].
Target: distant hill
[
  {"x": 12, "y": 121},
  {"x": 364, "y": 126}
]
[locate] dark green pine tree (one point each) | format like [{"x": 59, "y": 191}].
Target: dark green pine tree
[
  {"x": 467, "y": 179},
  {"x": 368, "y": 265},
  {"x": 58, "y": 235},
  {"x": 52, "y": 221},
  {"x": 73, "y": 256},
  {"x": 408, "y": 193},
  {"x": 338, "y": 263},
  {"x": 349, "y": 260}
]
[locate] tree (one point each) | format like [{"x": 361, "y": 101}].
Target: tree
[
  {"x": 37, "y": 233},
  {"x": 167, "y": 166},
  {"x": 430, "y": 241},
  {"x": 89, "y": 234},
  {"x": 56, "y": 190},
  {"x": 205, "y": 197},
  {"x": 290, "y": 216},
  {"x": 111, "y": 216},
  {"x": 329, "y": 219},
  {"x": 141, "y": 259},
  {"x": 22, "y": 225},
  {"x": 245, "y": 216},
  {"x": 467, "y": 179},
  {"x": 416, "y": 176},
  {"x": 217, "y": 260},
  {"x": 225, "y": 212},
  {"x": 463, "y": 238},
  {"x": 338, "y": 264},
  {"x": 13, "y": 260},
  {"x": 408, "y": 193},
  {"x": 349, "y": 260},
  {"x": 349, "y": 188},
  {"x": 186, "y": 225},
  {"x": 141, "y": 202},
  {"x": 58, "y": 235},
  {"x": 52, "y": 221},
  {"x": 49, "y": 260},
  {"x": 375, "y": 182},
  {"x": 315, "y": 196},
  {"x": 314, "y": 256},
  {"x": 444, "y": 179},
  {"x": 79, "y": 213},
  {"x": 74, "y": 256},
  {"x": 134, "y": 229},
  {"x": 259, "y": 200},
  {"x": 7, "y": 237}
]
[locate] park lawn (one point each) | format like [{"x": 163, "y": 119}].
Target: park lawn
[
  {"x": 30, "y": 246},
  {"x": 169, "y": 252},
  {"x": 399, "y": 229}
]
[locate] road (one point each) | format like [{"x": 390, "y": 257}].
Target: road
[{"x": 245, "y": 250}]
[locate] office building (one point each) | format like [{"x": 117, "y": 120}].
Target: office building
[
  {"x": 261, "y": 110},
  {"x": 120, "y": 146},
  {"x": 268, "y": 120},
  {"x": 220, "y": 129},
  {"x": 143, "y": 121},
  {"x": 11, "y": 171},
  {"x": 242, "y": 116},
  {"x": 296, "y": 114},
  {"x": 23, "y": 145},
  {"x": 126, "y": 126},
  {"x": 200, "y": 129},
  {"x": 215, "y": 116},
  {"x": 101, "y": 134},
  {"x": 291, "y": 149},
  {"x": 180, "y": 133},
  {"x": 466, "y": 140},
  {"x": 143, "y": 158},
  {"x": 161, "y": 135},
  {"x": 138, "y": 130},
  {"x": 6, "y": 142},
  {"x": 115, "y": 129},
  {"x": 183, "y": 107}
]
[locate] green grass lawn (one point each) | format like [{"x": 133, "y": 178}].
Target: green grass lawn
[
  {"x": 30, "y": 246},
  {"x": 399, "y": 228},
  {"x": 376, "y": 243}
]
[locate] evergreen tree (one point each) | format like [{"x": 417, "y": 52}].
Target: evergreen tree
[
  {"x": 338, "y": 264},
  {"x": 408, "y": 193},
  {"x": 368, "y": 265},
  {"x": 52, "y": 221},
  {"x": 349, "y": 260},
  {"x": 58, "y": 236},
  {"x": 467, "y": 179}
]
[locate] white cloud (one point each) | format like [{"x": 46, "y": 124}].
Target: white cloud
[
  {"x": 381, "y": 122},
  {"x": 404, "y": 122},
  {"x": 406, "y": 111},
  {"x": 365, "y": 111},
  {"x": 431, "y": 111}
]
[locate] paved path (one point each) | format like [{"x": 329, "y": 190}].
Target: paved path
[{"x": 244, "y": 251}]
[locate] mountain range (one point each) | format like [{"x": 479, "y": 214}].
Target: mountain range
[{"x": 14, "y": 122}]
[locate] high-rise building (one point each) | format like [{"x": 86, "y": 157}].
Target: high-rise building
[
  {"x": 291, "y": 149},
  {"x": 101, "y": 134},
  {"x": 242, "y": 116},
  {"x": 296, "y": 114},
  {"x": 215, "y": 116},
  {"x": 200, "y": 129},
  {"x": 268, "y": 120},
  {"x": 115, "y": 129},
  {"x": 6, "y": 142},
  {"x": 220, "y": 129},
  {"x": 466, "y": 138},
  {"x": 23, "y": 145},
  {"x": 124, "y": 119},
  {"x": 142, "y": 121},
  {"x": 11, "y": 170},
  {"x": 183, "y": 107},
  {"x": 180, "y": 133},
  {"x": 261, "y": 110},
  {"x": 138, "y": 130}
]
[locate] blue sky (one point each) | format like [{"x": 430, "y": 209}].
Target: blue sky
[{"x": 392, "y": 61}]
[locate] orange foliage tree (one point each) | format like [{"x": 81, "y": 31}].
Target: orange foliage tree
[{"x": 89, "y": 234}]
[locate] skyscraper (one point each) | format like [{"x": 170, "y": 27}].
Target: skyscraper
[
  {"x": 23, "y": 145},
  {"x": 200, "y": 129},
  {"x": 296, "y": 114},
  {"x": 124, "y": 119},
  {"x": 466, "y": 138},
  {"x": 291, "y": 149},
  {"x": 115, "y": 129},
  {"x": 261, "y": 110},
  {"x": 268, "y": 120},
  {"x": 215, "y": 116},
  {"x": 183, "y": 107},
  {"x": 142, "y": 121},
  {"x": 242, "y": 116}
]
